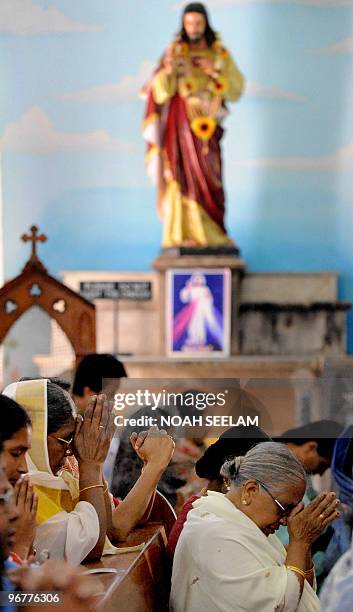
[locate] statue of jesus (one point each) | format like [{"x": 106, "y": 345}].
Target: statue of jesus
[{"x": 185, "y": 108}]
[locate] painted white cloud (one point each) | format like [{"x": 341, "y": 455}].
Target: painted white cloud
[
  {"x": 35, "y": 133},
  {"x": 26, "y": 18},
  {"x": 318, "y": 3},
  {"x": 342, "y": 159},
  {"x": 321, "y": 3},
  {"x": 258, "y": 90},
  {"x": 343, "y": 46},
  {"x": 125, "y": 90},
  {"x": 128, "y": 88}
]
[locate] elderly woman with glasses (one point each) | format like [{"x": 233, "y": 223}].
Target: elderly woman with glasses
[
  {"x": 228, "y": 557},
  {"x": 77, "y": 517}
]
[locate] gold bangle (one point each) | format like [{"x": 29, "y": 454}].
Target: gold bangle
[
  {"x": 91, "y": 487},
  {"x": 297, "y": 570},
  {"x": 106, "y": 489},
  {"x": 310, "y": 571}
]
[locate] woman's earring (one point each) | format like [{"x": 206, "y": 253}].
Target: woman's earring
[
  {"x": 243, "y": 501},
  {"x": 226, "y": 484}
]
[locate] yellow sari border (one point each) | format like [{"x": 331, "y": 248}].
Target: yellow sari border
[{"x": 32, "y": 395}]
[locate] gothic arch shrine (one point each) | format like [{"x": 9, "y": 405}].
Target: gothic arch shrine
[{"x": 35, "y": 287}]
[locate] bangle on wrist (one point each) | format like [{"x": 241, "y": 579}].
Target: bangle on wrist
[
  {"x": 92, "y": 487},
  {"x": 297, "y": 570}
]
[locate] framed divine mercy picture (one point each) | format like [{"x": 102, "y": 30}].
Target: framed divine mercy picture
[{"x": 198, "y": 312}]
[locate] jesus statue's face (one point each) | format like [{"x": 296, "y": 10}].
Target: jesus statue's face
[{"x": 194, "y": 25}]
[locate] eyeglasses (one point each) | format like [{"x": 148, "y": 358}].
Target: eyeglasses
[
  {"x": 6, "y": 498},
  {"x": 65, "y": 443},
  {"x": 284, "y": 511}
]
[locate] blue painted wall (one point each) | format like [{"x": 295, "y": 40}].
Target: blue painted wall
[{"x": 73, "y": 154}]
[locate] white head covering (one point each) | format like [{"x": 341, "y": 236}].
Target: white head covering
[{"x": 32, "y": 395}]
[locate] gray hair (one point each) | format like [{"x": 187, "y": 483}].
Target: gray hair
[{"x": 269, "y": 462}]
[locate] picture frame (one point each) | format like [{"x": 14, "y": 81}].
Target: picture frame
[{"x": 198, "y": 313}]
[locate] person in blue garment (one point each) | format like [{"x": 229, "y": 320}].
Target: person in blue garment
[
  {"x": 313, "y": 444},
  {"x": 337, "y": 590},
  {"x": 342, "y": 471}
]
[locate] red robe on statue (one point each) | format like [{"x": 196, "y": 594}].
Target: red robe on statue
[{"x": 183, "y": 133}]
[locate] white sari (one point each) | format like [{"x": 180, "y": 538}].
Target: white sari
[{"x": 224, "y": 563}]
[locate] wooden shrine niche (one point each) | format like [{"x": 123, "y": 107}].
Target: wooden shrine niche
[{"x": 35, "y": 287}]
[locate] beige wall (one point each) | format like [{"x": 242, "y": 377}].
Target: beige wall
[{"x": 123, "y": 326}]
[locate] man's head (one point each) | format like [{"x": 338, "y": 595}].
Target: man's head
[
  {"x": 8, "y": 511},
  {"x": 195, "y": 24},
  {"x": 313, "y": 444},
  {"x": 96, "y": 373},
  {"x": 235, "y": 441}
]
